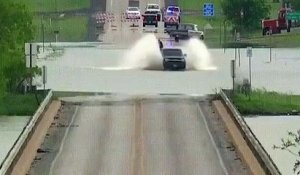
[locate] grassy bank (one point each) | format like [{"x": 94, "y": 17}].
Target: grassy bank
[
  {"x": 19, "y": 105},
  {"x": 55, "y": 5},
  {"x": 266, "y": 103},
  {"x": 71, "y": 29}
]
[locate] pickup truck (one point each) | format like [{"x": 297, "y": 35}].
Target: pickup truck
[
  {"x": 150, "y": 19},
  {"x": 173, "y": 59},
  {"x": 154, "y": 9},
  {"x": 185, "y": 31}
]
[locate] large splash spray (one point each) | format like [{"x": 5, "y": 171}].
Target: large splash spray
[
  {"x": 198, "y": 56},
  {"x": 145, "y": 54}
]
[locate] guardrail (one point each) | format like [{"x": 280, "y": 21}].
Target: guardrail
[
  {"x": 255, "y": 145},
  {"x": 14, "y": 153}
]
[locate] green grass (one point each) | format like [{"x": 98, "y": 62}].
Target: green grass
[
  {"x": 19, "y": 105},
  {"x": 71, "y": 29},
  {"x": 198, "y": 4},
  {"x": 269, "y": 103},
  {"x": 53, "y": 5},
  {"x": 274, "y": 10},
  {"x": 281, "y": 41}
]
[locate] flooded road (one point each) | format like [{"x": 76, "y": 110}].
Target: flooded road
[{"x": 99, "y": 70}]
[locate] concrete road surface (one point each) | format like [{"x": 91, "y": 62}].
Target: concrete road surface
[
  {"x": 124, "y": 32},
  {"x": 135, "y": 136}
]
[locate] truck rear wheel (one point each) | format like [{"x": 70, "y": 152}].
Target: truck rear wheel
[{"x": 158, "y": 17}]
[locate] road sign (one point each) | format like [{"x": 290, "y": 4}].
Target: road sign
[
  {"x": 293, "y": 16},
  {"x": 208, "y": 9}
]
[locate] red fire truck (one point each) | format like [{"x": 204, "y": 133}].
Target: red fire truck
[{"x": 273, "y": 26}]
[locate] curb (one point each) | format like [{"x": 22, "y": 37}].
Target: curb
[
  {"x": 20, "y": 143},
  {"x": 259, "y": 152}
]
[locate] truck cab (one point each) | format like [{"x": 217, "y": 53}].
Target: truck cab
[
  {"x": 173, "y": 59},
  {"x": 273, "y": 26},
  {"x": 150, "y": 19},
  {"x": 154, "y": 9},
  {"x": 186, "y": 31}
]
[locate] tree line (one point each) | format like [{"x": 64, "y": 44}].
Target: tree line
[{"x": 16, "y": 29}]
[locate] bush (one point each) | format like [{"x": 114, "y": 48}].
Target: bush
[{"x": 19, "y": 105}]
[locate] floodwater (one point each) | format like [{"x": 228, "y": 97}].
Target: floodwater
[
  {"x": 99, "y": 70},
  {"x": 10, "y": 129},
  {"x": 269, "y": 130}
]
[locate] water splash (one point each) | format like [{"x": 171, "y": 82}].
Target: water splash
[
  {"x": 145, "y": 54},
  {"x": 198, "y": 56}
]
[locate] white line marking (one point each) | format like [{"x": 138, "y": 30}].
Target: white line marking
[
  {"x": 63, "y": 142},
  {"x": 213, "y": 141}
]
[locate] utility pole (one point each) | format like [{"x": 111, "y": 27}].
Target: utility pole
[{"x": 249, "y": 55}]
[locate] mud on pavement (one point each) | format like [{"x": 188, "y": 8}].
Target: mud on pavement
[{"x": 51, "y": 145}]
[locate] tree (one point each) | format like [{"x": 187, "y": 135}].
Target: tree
[
  {"x": 245, "y": 14},
  {"x": 292, "y": 145},
  {"x": 294, "y": 3},
  {"x": 16, "y": 29}
]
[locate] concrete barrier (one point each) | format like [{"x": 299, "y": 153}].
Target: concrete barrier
[
  {"x": 256, "y": 147},
  {"x": 17, "y": 148}
]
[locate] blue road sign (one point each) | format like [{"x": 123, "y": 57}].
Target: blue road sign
[{"x": 208, "y": 9}]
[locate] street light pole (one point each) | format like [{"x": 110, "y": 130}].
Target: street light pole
[
  {"x": 43, "y": 33},
  {"x": 220, "y": 33}
]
